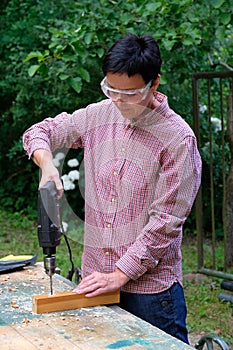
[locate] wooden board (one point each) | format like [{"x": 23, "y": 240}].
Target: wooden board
[{"x": 69, "y": 300}]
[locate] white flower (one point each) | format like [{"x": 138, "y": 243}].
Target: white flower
[
  {"x": 56, "y": 162},
  {"x": 65, "y": 178},
  {"x": 73, "y": 175},
  {"x": 216, "y": 122},
  {"x": 72, "y": 163},
  {"x": 60, "y": 156},
  {"x": 203, "y": 108},
  {"x": 67, "y": 183},
  {"x": 65, "y": 226}
]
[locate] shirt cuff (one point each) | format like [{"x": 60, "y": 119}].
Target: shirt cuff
[
  {"x": 131, "y": 266},
  {"x": 30, "y": 149}
]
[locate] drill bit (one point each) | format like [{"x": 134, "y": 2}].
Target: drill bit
[
  {"x": 51, "y": 285},
  {"x": 50, "y": 267}
]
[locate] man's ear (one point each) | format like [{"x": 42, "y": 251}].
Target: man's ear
[{"x": 156, "y": 83}]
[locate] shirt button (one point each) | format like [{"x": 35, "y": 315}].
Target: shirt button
[
  {"x": 115, "y": 173},
  {"x": 108, "y": 225},
  {"x": 139, "y": 274},
  {"x": 113, "y": 200},
  {"x": 107, "y": 253},
  {"x": 123, "y": 149}
]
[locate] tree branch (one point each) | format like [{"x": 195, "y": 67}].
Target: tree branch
[{"x": 219, "y": 63}]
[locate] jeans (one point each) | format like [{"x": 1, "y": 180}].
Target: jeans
[{"x": 166, "y": 310}]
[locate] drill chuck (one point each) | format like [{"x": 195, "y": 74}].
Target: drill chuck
[{"x": 50, "y": 265}]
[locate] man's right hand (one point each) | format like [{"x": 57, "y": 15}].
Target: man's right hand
[{"x": 44, "y": 159}]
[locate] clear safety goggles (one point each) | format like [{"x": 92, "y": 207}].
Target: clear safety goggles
[{"x": 129, "y": 96}]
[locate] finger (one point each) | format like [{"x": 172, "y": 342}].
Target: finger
[
  {"x": 92, "y": 284},
  {"x": 57, "y": 181},
  {"x": 60, "y": 189},
  {"x": 87, "y": 280},
  {"x": 95, "y": 293},
  {"x": 89, "y": 285},
  {"x": 87, "y": 289}
]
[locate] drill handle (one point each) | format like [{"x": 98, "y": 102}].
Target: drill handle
[{"x": 49, "y": 221}]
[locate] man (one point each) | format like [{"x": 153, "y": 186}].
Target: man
[{"x": 142, "y": 174}]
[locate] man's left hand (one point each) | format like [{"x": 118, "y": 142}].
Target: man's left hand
[{"x": 98, "y": 283}]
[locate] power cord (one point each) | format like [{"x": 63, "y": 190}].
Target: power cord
[{"x": 72, "y": 270}]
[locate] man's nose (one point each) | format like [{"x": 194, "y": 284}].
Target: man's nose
[{"x": 120, "y": 97}]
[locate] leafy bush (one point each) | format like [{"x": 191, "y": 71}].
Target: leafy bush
[{"x": 51, "y": 56}]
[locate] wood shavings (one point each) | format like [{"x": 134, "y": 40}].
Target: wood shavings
[
  {"x": 26, "y": 320},
  {"x": 14, "y": 305},
  {"x": 5, "y": 279}
]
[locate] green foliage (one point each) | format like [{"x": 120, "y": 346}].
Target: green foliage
[{"x": 51, "y": 53}]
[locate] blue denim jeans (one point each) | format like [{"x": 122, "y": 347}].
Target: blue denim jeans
[{"x": 165, "y": 310}]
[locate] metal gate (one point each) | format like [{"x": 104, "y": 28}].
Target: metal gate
[{"x": 211, "y": 91}]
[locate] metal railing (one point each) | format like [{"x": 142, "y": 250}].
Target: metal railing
[{"x": 210, "y": 93}]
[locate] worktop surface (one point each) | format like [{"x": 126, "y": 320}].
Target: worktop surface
[{"x": 100, "y": 327}]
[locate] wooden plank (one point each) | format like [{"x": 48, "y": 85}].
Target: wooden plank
[
  {"x": 69, "y": 300},
  {"x": 37, "y": 335},
  {"x": 12, "y": 340}
]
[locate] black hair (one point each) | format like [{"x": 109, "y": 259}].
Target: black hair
[{"x": 134, "y": 55}]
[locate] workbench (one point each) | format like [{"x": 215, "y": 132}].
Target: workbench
[{"x": 93, "y": 328}]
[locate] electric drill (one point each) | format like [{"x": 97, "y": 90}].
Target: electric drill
[{"x": 49, "y": 226}]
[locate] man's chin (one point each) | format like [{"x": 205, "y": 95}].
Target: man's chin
[
  {"x": 127, "y": 114},
  {"x": 130, "y": 111}
]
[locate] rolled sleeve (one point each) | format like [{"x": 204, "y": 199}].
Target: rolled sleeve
[
  {"x": 31, "y": 145},
  {"x": 54, "y": 133}
]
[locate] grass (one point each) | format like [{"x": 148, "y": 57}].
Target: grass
[
  {"x": 18, "y": 235},
  {"x": 206, "y": 314}
]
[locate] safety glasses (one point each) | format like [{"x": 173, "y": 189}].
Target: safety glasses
[{"x": 129, "y": 96}]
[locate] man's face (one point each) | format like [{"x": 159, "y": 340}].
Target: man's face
[{"x": 131, "y": 105}]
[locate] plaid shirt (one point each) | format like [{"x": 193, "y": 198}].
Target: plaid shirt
[{"x": 141, "y": 179}]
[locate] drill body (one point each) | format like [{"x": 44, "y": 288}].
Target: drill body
[{"x": 49, "y": 226}]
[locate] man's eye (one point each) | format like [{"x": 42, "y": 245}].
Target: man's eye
[{"x": 113, "y": 93}]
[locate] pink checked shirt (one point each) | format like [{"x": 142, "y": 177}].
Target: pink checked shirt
[{"x": 141, "y": 179}]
